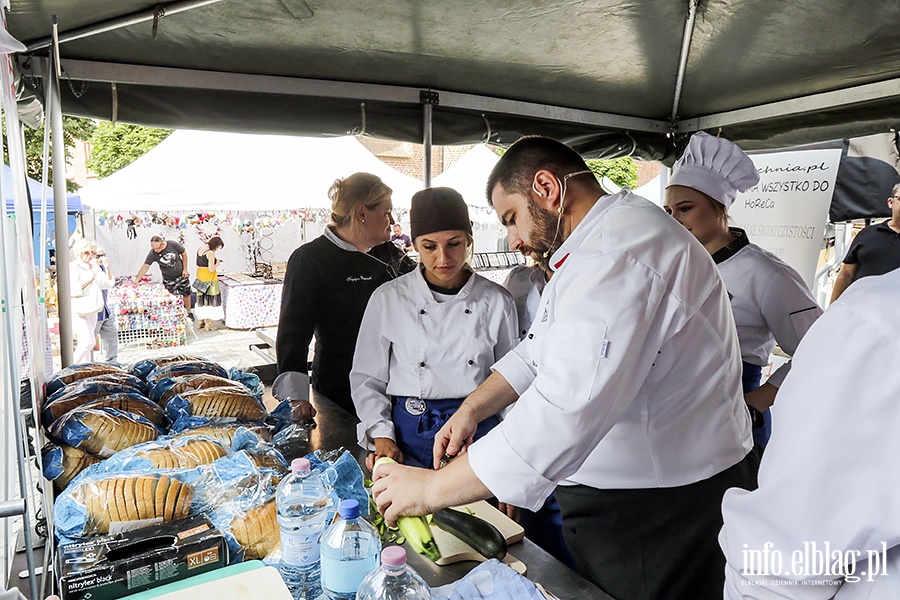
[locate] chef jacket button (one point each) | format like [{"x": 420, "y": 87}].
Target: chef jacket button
[
  {"x": 468, "y": 311},
  {"x": 422, "y": 312},
  {"x": 471, "y": 362},
  {"x": 530, "y": 336},
  {"x": 524, "y": 331},
  {"x": 421, "y": 364}
]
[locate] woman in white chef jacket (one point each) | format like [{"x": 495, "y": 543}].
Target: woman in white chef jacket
[
  {"x": 428, "y": 338},
  {"x": 770, "y": 300}
]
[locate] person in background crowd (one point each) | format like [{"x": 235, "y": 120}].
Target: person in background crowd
[
  {"x": 401, "y": 239},
  {"x": 87, "y": 281},
  {"x": 173, "y": 266},
  {"x": 209, "y": 301},
  {"x": 875, "y": 250},
  {"x": 769, "y": 298},
  {"x": 827, "y": 504},
  {"x": 627, "y": 389},
  {"x": 428, "y": 338},
  {"x": 329, "y": 280},
  {"x": 106, "y": 321}
]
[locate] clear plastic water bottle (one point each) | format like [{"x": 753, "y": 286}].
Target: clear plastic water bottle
[
  {"x": 394, "y": 580},
  {"x": 302, "y": 503},
  {"x": 350, "y": 549}
]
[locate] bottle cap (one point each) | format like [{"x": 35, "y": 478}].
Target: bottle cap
[
  {"x": 300, "y": 465},
  {"x": 393, "y": 556},
  {"x": 348, "y": 509}
]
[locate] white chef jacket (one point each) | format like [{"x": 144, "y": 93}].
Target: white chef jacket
[
  {"x": 410, "y": 344},
  {"x": 830, "y": 470},
  {"x": 526, "y": 285},
  {"x": 770, "y": 300},
  {"x": 630, "y": 376}
]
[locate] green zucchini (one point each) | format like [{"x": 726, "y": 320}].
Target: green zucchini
[{"x": 476, "y": 532}]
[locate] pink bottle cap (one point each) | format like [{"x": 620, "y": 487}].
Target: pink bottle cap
[
  {"x": 300, "y": 465},
  {"x": 393, "y": 556}
]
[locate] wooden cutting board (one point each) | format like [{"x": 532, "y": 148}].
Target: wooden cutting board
[{"x": 454, "y": 549}]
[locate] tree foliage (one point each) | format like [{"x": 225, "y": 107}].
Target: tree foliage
[
  {"x": 115, "y": 146},
  {"x": 621, "y": 171},
  {"x": 74, "y": 128}
]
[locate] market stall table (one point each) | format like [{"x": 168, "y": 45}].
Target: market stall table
[
  {"x": 250, "y": 302},
  {"x": 336, "y": 428}
]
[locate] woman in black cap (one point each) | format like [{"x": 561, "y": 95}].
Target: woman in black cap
[{"x": 428, "y": 338}]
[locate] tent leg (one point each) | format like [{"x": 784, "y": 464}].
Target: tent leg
[
  {"x": 60, "y": 213},
  {"x": 429, "y": 99}
]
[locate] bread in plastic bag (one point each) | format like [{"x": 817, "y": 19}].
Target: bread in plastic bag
[
  {"x": 112, "y": 503},
  {"x": 62, "y": 463},
  {"x": 223, "y": 432},
  {"x": 79, "y": 395},
  {"x": 125, "y": 402},
  {"x": 97, "y": 387},
  {"x": 168, "y": 387},
  {"x": 226, "y": 403},
  {"x": 256, "y": 530},
  {"x": 165, "y": 453},
  {"x": 142, "y": 368},
  {"x": 81, "y": 371},
  {"x": 176, "y": 369},
  {"x": 102, "y": 431}
]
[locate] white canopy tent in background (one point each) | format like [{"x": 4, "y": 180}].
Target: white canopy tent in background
[
  {"x": 469, "y": 176},
  {"x": 207, "y": 170},
  {"x": 232, "y": 173},
  {"x": 227, "y": 174}
]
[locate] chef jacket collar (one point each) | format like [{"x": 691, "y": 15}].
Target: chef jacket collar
[
  {"x": 584, "y": 229},
  {"x": 421, "y": 286},
  {"x": 740, "y": 240},
  {"x": 332, "y": 237}
]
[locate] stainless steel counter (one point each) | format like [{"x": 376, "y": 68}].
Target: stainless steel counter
[{"x": 336, "y": 428}]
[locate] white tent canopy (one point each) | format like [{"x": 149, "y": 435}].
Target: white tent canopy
[
  {"x": 469, "y": 175},
  {"x": 204, "y": 170}
]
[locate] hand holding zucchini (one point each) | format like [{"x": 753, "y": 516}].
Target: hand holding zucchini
[
  {"x": 476, "y": 532},
  {"x": 416, "y": 529}
]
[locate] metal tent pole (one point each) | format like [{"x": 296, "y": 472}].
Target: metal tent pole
[
  {"x": 428, "y": 99},
  {"x": 59, "y": 207}
]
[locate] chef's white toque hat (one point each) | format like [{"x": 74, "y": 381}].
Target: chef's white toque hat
[{"x": 715, "y": 166}]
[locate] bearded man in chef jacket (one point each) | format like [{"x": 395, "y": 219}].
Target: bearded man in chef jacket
[{"x": 627, "y": 388}]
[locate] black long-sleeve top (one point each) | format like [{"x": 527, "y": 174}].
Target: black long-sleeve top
[{"x": 326, "y": 289}]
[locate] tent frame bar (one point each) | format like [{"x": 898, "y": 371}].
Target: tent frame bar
[
  {"x": 683, "y": 58},
  {"x": 859, "y": 94},
  {"x": 103, "y": 72},
  {"x": 141, "y": 16}
]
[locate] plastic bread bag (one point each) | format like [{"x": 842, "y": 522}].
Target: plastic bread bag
[
  {"x": 127, "y": 402},
  {"x": 167, "y": 387},
  {"x": 165, "y": 454},
  {"x": 96, "y": 504},
  {"x": 102, "y": 431},
  {"x": 175, "y": 369},
  {"x": 249, "y": 524},
  {"x": 342, "y": 477},
  {"x": 264, "y": 454},
  {"x": 190, "y": 425},
  {"x": 142, "y": 368},
  {"x": 75, "y": 372},
  {"x": 62, "y": 463},
  {"x": 249, "y": 380},
  {"x": 97, "y": 387},
  {"x": 222, "y": 404}
]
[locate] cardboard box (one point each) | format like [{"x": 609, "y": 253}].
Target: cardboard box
[{"x": 114, "y": 566}]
